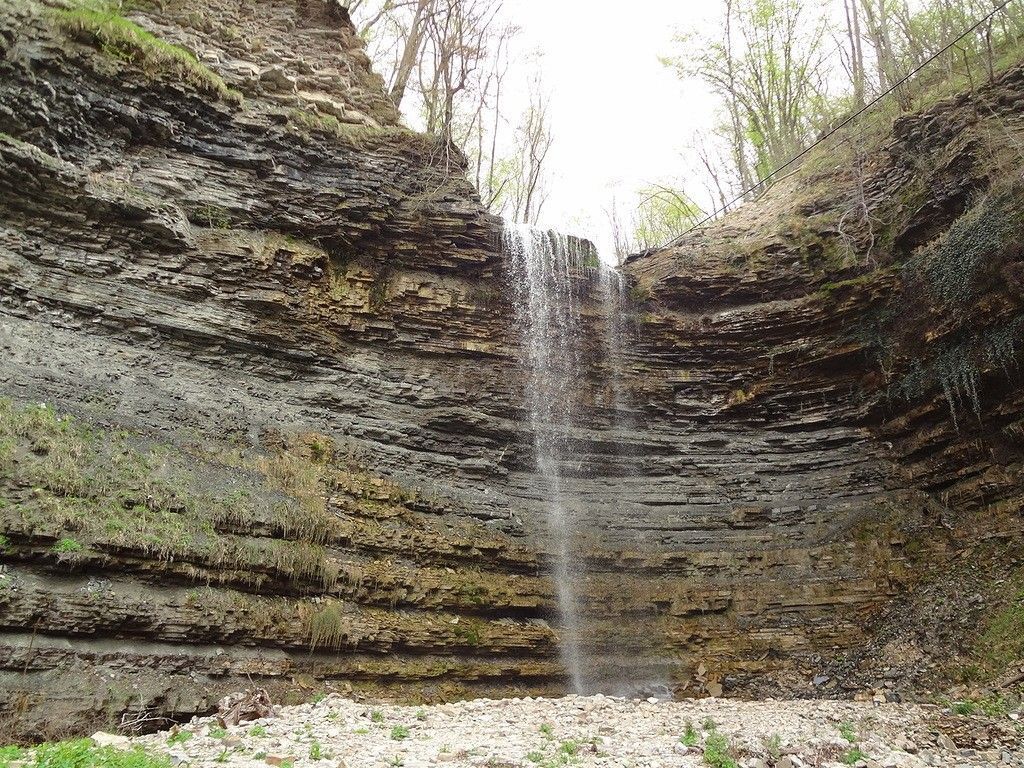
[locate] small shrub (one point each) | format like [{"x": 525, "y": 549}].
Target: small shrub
[
  {"x": 535, "y": 757},
  {"x": 179, "y": 737},
  {"x": 400, "y": 733},
  {"x": 853, "y": 756},
  {"x": 316, "y": 751},
  {"x": 217, "y": 732},
  {"x": 689, "y": 737},
  {"x": 258, "y": 731},
  {"x": 848, "y": 732},
  {"x": 548, "y": 730},
  {"x": 716, "y": 752},
  {"x": 376, "y": 716}
]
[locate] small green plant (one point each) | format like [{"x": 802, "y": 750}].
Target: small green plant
[
  {"x": 316, "y": 751},
  {"x": 709, "y": 724},
  {"x": 535, "y": 756},
  {"x": 179, "y": 737},
  {"x": 548, "y": 730},
  {"x": 10, "y": 754},
  {"x": 396, "y": 761},
  {"x": 963, "y": 707},
  {"x": 81, "y": 753},
  {"x": 361, "y": 731},
  {"x": 261, "y": 755},
  {"x": 258, "y": 731},
  {"x": 853, "y": 756},
  {"x": 377, "y": 716},
  {"x": 774, "y": 746},
  {"x": 848, "y": 732},
  {"x": 689, "y": 737},
  {"x": 223, "y": 756},
  {"x": 216, "y": 732},
  {"x": 716, "y": 751},
  {"x": 421, "y": 714},
  {"x": 399, "y": 733},
  {"x": 67, "y": 546},
  {"x": 570, "y": 748},
  {"x": 5, "y": 543}
]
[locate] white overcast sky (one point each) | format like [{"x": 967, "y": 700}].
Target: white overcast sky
[{"x": 621, "y": 119}]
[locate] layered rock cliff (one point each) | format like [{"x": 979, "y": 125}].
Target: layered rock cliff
[{"x": 298, "y": 452}]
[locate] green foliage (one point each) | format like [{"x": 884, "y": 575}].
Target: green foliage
[
  {"x": 82, "y": 753},
  {"x": 848, "y": 732},
  {"x": 376, "y": 716},
  {"x": 258, "y": 731},
  {"x": 956, "y": 368},
  {"x": 663, "y": 214},
  {"x": 67, "y": 545},
  {"x": 570, "y": 748},
  {"x": 853, "y": 756},
  {"x": 179, "y": 737},
  {"x": 123, "y": 39},
  {"x": 5, "y": 543},
  {"x": 690, "y": 737},
  {"x": 316, "y": 751},
  {"x": 535, "y": 756},
  {"x": 328, "y": 628},
  {"x": 774, "y": 746},
  {"x": 9, "y": 754},
  {"x": 952, "y": 266},
  {"x": 91, "y": 490},
  {"x": 716, "y": 751},
  {"x": 217, "y": 732},
  {"x": 211, "y": 216},
  {"x": 548, "y": 730},
  {"x": 1001, "y": 643},
  {"x": 400, "y": 733}
]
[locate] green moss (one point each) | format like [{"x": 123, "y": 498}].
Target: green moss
[
  {"x": 123, "y": 39},
  {"x": 364, "y": 137},
  {"x": 92, "y": 490},
  {"x": 1002, "y": 642}
]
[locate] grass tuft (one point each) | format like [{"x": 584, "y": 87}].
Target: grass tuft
[{"x": 124, "y": 40}]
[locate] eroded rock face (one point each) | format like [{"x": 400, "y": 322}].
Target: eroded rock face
[{"x": 203, "y": 272}]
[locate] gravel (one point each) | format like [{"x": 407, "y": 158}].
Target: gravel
[{"x": 582, "y": 731}]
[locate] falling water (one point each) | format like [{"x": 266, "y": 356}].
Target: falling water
[
  {"x": 571, "y": 312},
  {"x": 548, "y": 276}
]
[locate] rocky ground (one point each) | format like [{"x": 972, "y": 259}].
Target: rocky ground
[{"x": 600, "y": 731}]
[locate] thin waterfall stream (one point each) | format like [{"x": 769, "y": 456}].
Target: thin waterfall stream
[{"x": 550, "y": 275}]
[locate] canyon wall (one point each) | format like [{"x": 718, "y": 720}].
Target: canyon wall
[{"x": 298, "y": 453}]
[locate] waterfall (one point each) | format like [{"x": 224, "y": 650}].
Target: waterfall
[{"x": 548, "y": 275}]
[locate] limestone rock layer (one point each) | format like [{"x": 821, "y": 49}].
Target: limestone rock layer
[{"x": 299, "y": 454}]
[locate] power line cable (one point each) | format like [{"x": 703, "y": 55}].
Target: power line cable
[{"x": 714, "y": 214}]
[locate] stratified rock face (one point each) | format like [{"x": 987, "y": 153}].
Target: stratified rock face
[{"x": 270, "y": 280}]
